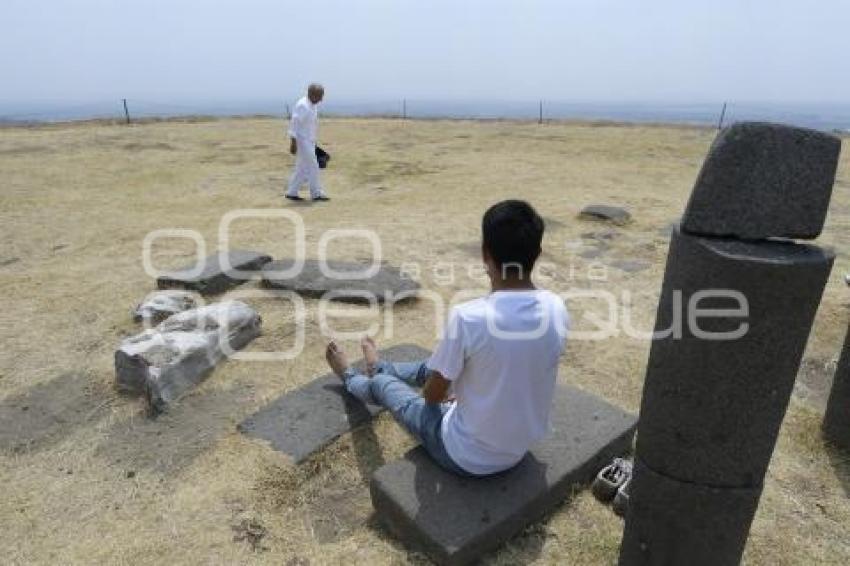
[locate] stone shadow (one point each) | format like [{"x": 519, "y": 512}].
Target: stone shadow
[
  {"x": 45, "y": 414},
  {"x": 174, "y": 439},
  {"x": 840, "y": 461}
]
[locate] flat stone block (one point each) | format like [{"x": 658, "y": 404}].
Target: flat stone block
[
  {"x": 712, "y": 405},
  {"x": 165, "y": 362},
  {"x": 671, "y": 522},
  {"x": 217, "y": 273},
  {"x": 342, "y": 279},
  {"x": 614, "y": 214},
  {"x": 764, "y": 180},
  {"x": 302, "y": 421},
  {"x": 836, "y": 422},
  {"x": 455, "y": 520}
]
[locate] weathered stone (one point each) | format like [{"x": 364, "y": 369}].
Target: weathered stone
[
  {"x": 302, "y": 421},
  {"x": 836, "y": 422},
  {"x": 615, "y": 214},
  {"x": 455, "y": 520},
  {"x": 217, "y": 273},
  {"x": 712, "y": 408},
  {"x": 387, "y": 285},
  {"x": 159, "y": 305},
  {"x": 764, "y": 180},
  {"x": 166, "y": 361},
  {"x": 684, "y": 523}
]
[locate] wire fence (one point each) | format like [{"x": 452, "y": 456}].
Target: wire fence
[{"x": 824, "y": 117}]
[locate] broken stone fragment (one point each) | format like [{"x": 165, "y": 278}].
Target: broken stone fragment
[
  {"x": 217, "y": 273},
  {"x": 166, "y": 361},
  {"x": 763, "y": 181},
  {"x": 159, "y": 305},
  {"x": 614, "y": 214}
]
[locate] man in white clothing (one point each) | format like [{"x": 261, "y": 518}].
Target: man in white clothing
[{"x": 303, "y": 130}]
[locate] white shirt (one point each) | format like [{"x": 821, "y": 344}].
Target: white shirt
[
  {"x": 501, "y": 353},
  {"x": 304, "y": 125}
]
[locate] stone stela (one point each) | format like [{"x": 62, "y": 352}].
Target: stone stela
[{"x": 711, "y": 409}]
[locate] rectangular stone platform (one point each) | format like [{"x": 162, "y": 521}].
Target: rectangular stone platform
[
  {"x": 215, "y": 275},
  {"x": 305, "y": 420},
  {"x": 456, "y": 520}
]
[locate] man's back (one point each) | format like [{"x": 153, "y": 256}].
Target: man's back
[{"x": 501, "y": 352}]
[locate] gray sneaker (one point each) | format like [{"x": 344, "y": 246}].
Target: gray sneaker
[
  {"x": 610, "y": 478},
  {"x": 621, "y": 500}
]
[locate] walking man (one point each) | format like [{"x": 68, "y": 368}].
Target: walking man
[{"x": 303, "y": 129}]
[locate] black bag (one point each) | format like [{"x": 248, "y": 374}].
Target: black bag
[{"x": 322, "y": 157}]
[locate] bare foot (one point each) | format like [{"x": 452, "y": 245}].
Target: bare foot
[
  {"x": 337, "y": 359},
  {"x": 370, "y": 353}
]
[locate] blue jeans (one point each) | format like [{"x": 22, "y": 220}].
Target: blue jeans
[{"x": 392, "y": 386}]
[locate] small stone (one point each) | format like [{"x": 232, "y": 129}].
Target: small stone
[
  {"x": 130, "y": 474},
  {"x": 614, "y": 214},
  {"x": 159, "y": 305},
  {"x": 630, "y": 265}
]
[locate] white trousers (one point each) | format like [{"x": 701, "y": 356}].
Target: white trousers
[{"x": 306, "y": 170}]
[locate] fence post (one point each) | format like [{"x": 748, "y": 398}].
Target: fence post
[
  {"x": 404, "y": 109},
  {"x": 540, "y": 116},
  {"x": 126, "y": 111},
  {"x": 722, "y": 114}
]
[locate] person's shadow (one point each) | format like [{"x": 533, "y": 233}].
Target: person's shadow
[{"x": 360, "y": 416}]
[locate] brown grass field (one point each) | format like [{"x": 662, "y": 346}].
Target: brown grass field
[{"x": 87, "y": 478}]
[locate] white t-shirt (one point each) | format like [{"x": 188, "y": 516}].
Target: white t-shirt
[{"x": 501, "y": 354}]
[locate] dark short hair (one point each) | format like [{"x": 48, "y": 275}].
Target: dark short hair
[{"x": 512, "y": 232}]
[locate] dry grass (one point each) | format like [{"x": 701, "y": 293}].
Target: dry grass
[{"x": 87, "y": 479}]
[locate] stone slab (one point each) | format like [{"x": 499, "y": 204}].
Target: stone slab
[
  {"x": 455, "y": 520},
  {"x": 836, "y": 422},
  {"x": 764, "y": 180},
  {"x": 215, "y": 275},
  {"x": 672, "y": 522},
  {"x": 615, "y": 214},
  {"x": 712, "y": 406},
  {"x": 305, "y": 420},
  {"x": 165, "y": 362},
  {"x": 387, "y": 285}
]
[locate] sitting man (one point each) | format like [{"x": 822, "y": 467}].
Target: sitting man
[{"x": 499, "y": 355}]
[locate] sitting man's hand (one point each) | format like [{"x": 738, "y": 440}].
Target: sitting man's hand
[
  {"x": 293, "y": 147},
  {"x": 436, "y": 389}
]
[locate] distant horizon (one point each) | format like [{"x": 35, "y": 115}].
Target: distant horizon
[{"x": 824, "y": 116}]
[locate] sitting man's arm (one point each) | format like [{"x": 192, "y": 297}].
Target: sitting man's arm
[{"x": 436, "y": 389}]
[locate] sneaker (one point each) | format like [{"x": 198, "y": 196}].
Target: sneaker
[
  {"x": 610, "y": 479},
  {"x": 321, "y": 198},
  {"x": 621, "y": 501},
  {"x": 294, "y": 197}
]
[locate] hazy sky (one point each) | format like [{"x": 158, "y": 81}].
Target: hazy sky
[{"x": 593, "y": 50}]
